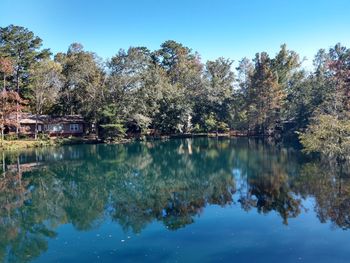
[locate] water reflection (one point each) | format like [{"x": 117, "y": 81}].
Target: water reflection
[{"x": 170, "y": 182}]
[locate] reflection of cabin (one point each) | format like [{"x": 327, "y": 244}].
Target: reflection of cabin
[{"x": 54, "y": 126}]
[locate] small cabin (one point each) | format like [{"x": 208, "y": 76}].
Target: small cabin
[{"x": 69, "y": 125}]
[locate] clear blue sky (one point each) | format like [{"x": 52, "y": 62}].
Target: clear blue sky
[{"x": 229, "y": 28}]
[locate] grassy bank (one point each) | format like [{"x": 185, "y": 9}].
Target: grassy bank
[
  {"x": 31, "y": 143},
  {"x": 19, "y": 144},
  {"x": 24, "y": 144}
]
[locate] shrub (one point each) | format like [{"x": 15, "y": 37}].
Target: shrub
[
  {"x": 223, "y": 127},
  {"x": 43, "y": 137},
  {"x": 197, "y": 129},
  {"x": 10, "y": 137},
  {"x": 210, "y": 123},
  {"x": 112, "y": 131}
]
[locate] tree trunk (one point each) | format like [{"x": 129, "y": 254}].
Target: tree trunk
[
  {"x": 2, "y": 134},
  {"x": 17, "y": 104},
  {"x": 96, "y": 129},
  {"x": 3, "y": 164},
  {"x": 36, "y": 127}
]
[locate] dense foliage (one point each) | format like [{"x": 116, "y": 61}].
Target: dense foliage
[{"x": 170, "y": 90}]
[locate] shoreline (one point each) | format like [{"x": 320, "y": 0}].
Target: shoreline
[{"x": 21, "y": 144}]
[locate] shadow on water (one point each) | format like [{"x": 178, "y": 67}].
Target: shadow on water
[{"x": 169, "y": 182}]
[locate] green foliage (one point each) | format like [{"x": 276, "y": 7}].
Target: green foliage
[
  {"x": 141, "y": 122},
  {"x": 328, "y": 135},
  {"x": 10, "y": 137},
  {"x": 112, "y": 131},
  {"x": 82, "y": 89},
  {"x": 23, "y": 137},
  {"x": 197, "y": 128},
  {"x": 211, "y": 123},
  {"x": 43, "y": 137},
  {"x": 24, "y": 49},
  {"x": 223, "y": 127}
]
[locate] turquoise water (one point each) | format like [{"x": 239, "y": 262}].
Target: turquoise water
[{"x": 191, "y": 200}]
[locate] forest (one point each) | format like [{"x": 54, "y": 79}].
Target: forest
[{"x": 171, "y": 90}]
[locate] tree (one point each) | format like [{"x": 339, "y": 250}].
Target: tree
[
  {"x": 286, "y": 65},
  {"x": 265, "y": 97},
  {"x": 266, "y": 89},
  {"x": 219, "y": 88},
  {"x": 242, "y": 92},
  {"x": 45, "y": 85},
  {"x": 83, "y": 86},
  {"x": 129, "y": 73},
  {"x": 10, "y": 104},
  {"x": 329, "y": 136},
  {"x": 6, "y": 68},
  {"x": 339, "y": 67},
  {"x": 180, "y": 63},
  {"x": 24, "y": 49},
  {"x": 184, "y": 70},
  {"x": 174, "y": 111},
  {"x": 329, "y": 131}
]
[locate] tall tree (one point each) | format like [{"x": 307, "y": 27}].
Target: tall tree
[
  {"x": 184, "y": 70},
  {"x": 128, "y": 70},
  {"x": 329, "y": 130},
  {"x": 24, "y": 49},
  {"x": 82, "y": 90},
  {"x": 245, "y": 71},
  {"x": 6, "y": 68},
  {"x": 339, "y": 67},
  {"x": 218, "y": 90},
  {"x": 46, "y": 81},
  {"x": 265, "y": 96},
  {"x": 286, "y": 65}
]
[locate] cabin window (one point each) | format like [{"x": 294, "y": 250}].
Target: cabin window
[
  {"x": 74, "y": 127},
  {"x": 55, "y": 127}
]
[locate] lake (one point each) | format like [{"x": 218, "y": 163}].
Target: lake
[{"x": 181, "y": 200}]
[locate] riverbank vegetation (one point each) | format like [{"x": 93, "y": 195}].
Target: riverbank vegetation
[{"x": 171, "y": 90}]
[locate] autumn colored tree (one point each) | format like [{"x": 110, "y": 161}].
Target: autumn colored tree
[
  {"x": 265, "y": 96},
  {"x": 24, "y": 49},
  {"x": 6, "y": 68},
  {"x": 10, "y": 104},
  {"x": 329, "y": 130}
]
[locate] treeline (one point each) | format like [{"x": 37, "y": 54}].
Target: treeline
[{"x": 170, "y": 90}]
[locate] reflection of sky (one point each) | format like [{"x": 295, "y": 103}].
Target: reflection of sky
[
  {"x": 227, "y": 233},
  {"x": 218, "y": 235}
]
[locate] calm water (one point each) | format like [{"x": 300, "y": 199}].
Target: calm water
[{"x": 201, "y": 200}]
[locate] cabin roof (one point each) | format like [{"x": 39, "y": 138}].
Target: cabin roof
[{"x": 27, "y": 118}]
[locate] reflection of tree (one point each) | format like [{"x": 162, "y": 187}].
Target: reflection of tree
[
  {"x": 266, "y": 186},
  {"x": 134, "y": 184},
  {"x": 170, "y": 182},
  {"x": 23, "y": 233},
  {"x": 172, "y": 188},
  {"x": 329, "y": 184}
]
